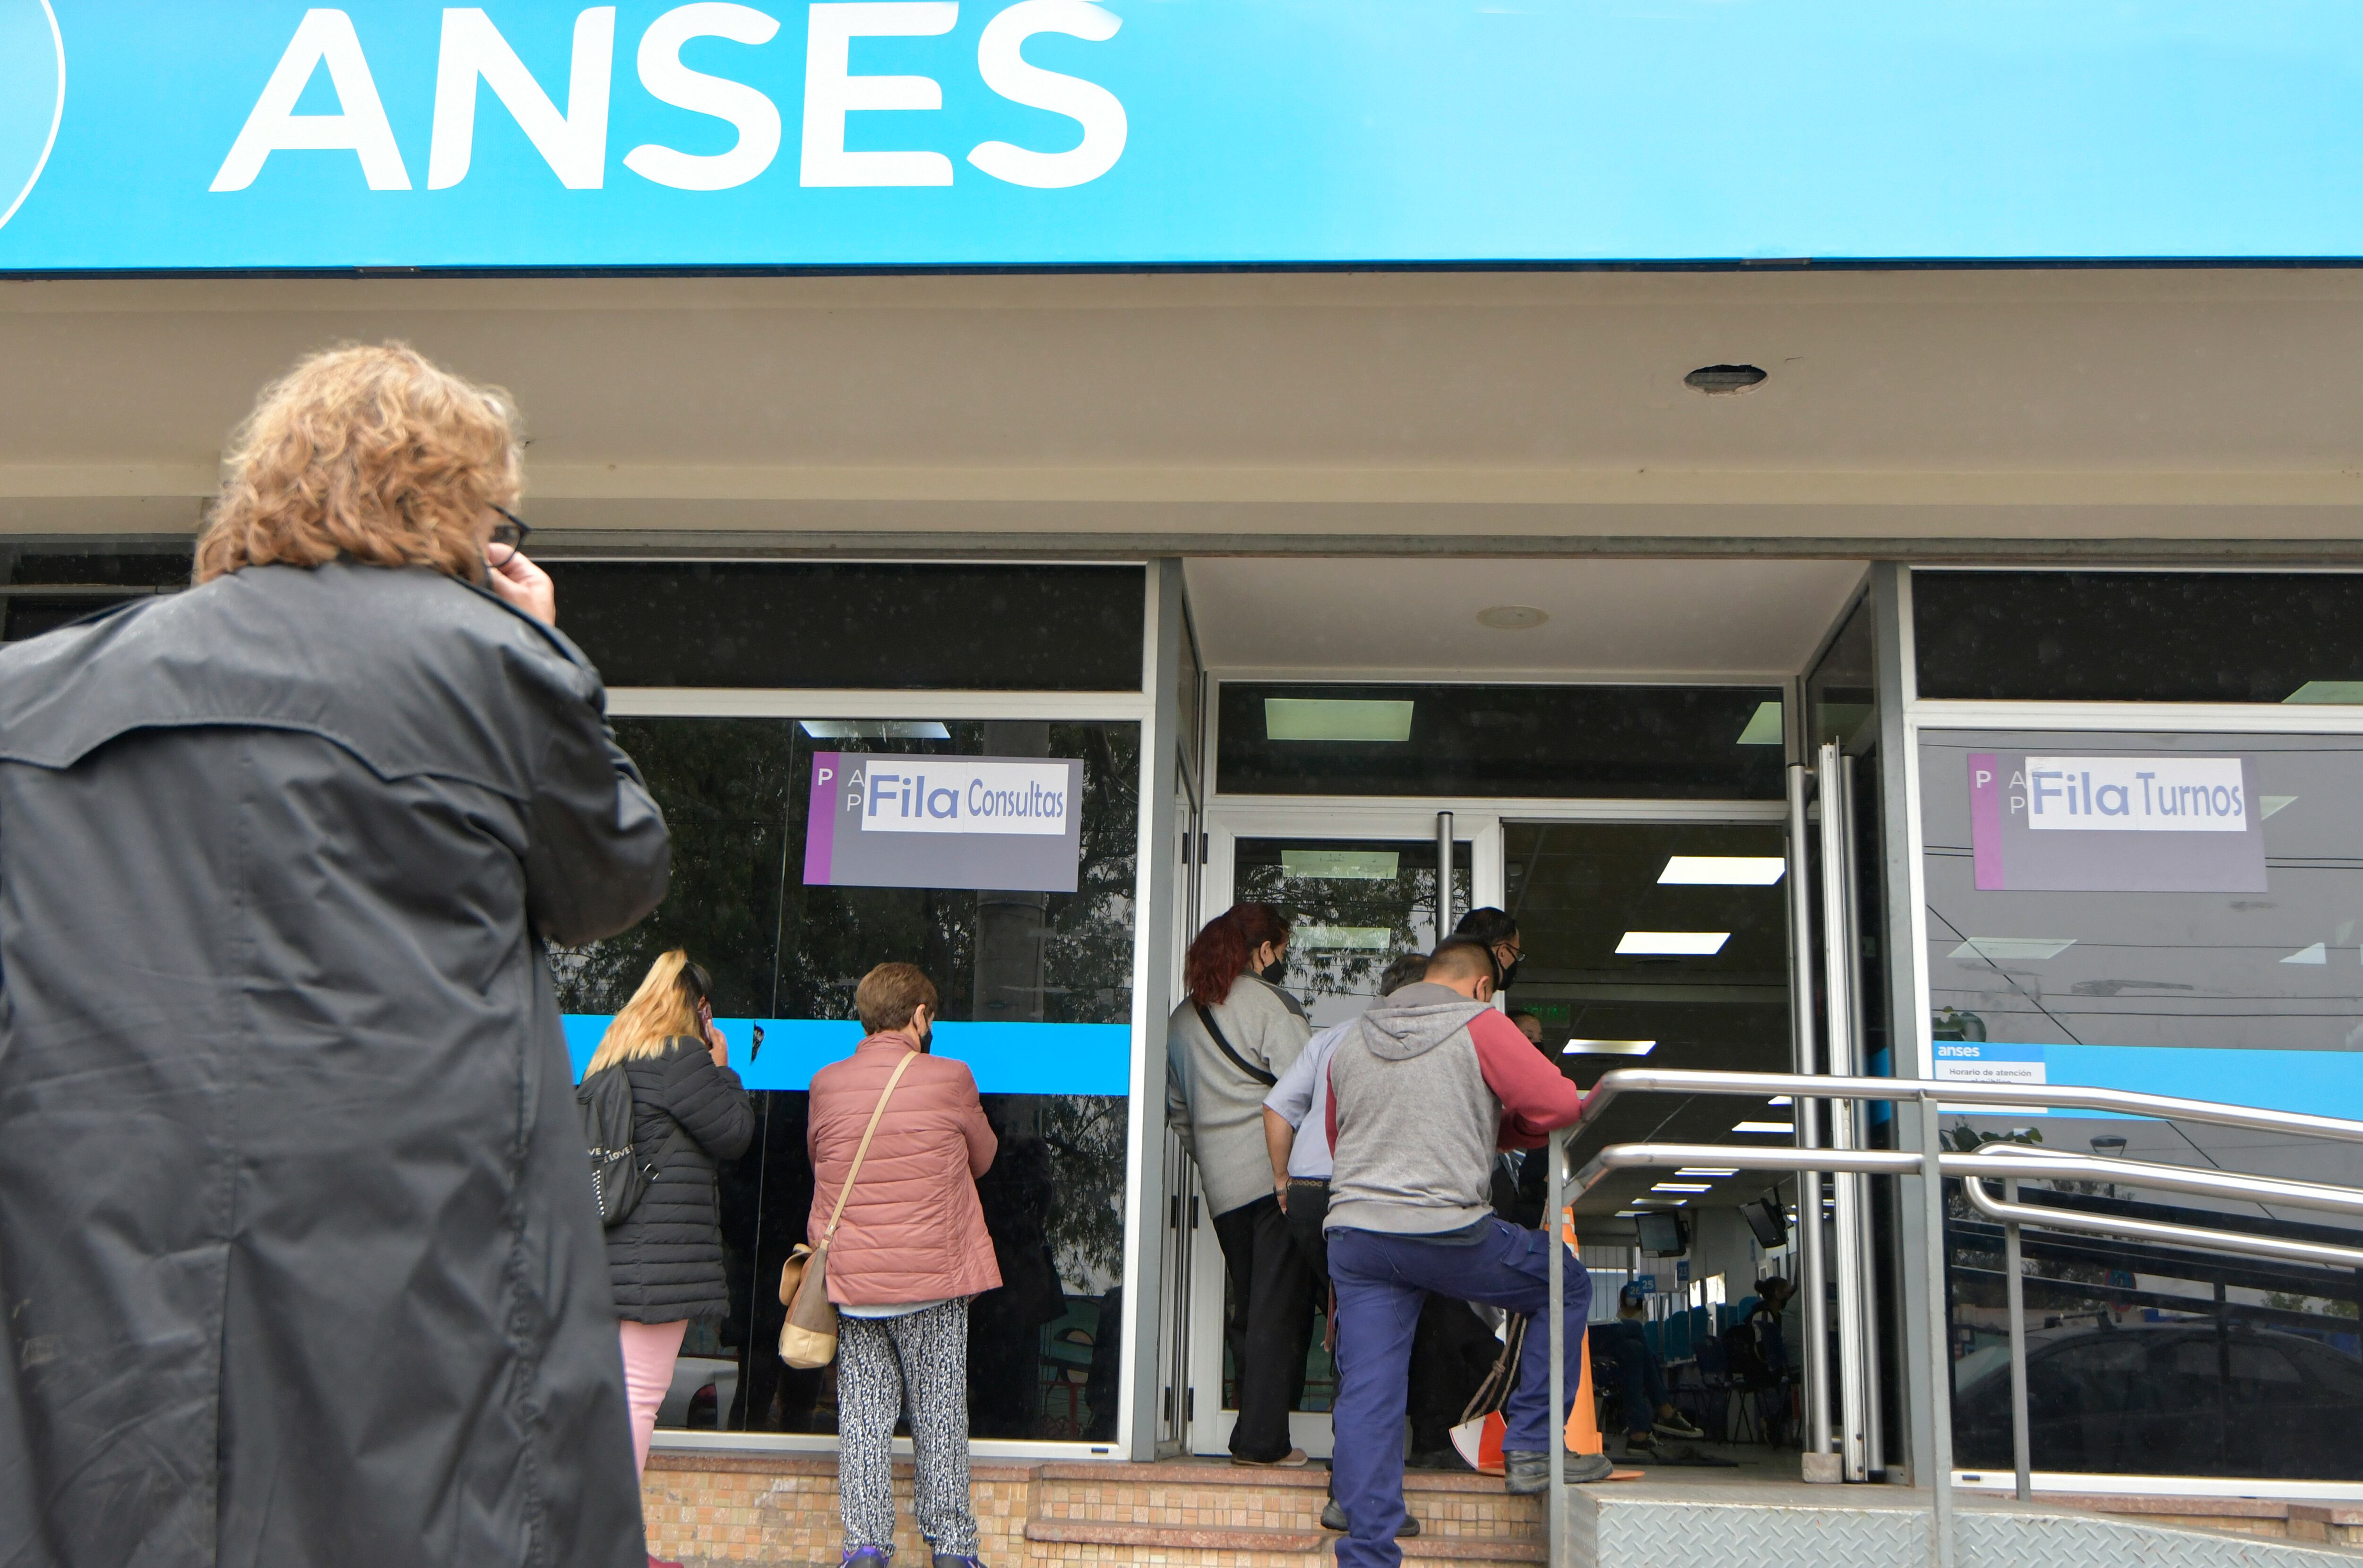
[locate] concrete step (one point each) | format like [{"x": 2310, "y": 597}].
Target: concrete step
[
  {"x": 1077, "y": 1541},
  {"x": 1195, "y": 1494}
]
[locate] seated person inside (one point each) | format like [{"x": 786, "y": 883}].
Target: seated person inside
[{"x": 1621, "y": 1354}]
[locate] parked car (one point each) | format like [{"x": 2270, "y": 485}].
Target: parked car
[{"x": 2153, "y": 1399}]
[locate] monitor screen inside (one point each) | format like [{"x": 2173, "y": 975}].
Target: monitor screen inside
[
  {"x": 1661, "y": 1235},
  {"x": 1764, "y": 1217}
]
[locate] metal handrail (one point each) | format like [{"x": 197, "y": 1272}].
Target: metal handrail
[{"x": 2009, "y": 1162}]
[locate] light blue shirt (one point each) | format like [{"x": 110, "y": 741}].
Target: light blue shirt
[{"x": 1301, "y": 1097}]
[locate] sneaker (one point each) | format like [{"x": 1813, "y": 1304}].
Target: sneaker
[
  {"x": 1334, "y": 1517},
  {"x": 867, "y": 1557},
  {"x": 1641, "y": 1442},
  {"x": 1527, "y": 1474},
  {"x": 1294, "y": 1459},
  {"x": 1677, "y": 1425}
]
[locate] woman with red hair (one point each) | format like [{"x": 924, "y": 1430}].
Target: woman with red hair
[{"x": 1228, "y": 1043}]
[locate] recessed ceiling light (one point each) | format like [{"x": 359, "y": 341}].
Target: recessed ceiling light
[
  {"x": 1722, "y": 871},
  {"x": 1672, "y": 944},
  {"x": 1763, "y": 726},
  {"x": 1681, "y": 1187},
  {"x": 1780, "y": 1126},
  {"x": 1513, "y": 617},
  {"x": 2013, "y": 950},
  {"x": 875, "y": 729},
  {"x": 1721, "y": 381},
  {"x": 1708, "y": 1171},
  {"x": 1335, "y": 718},
  {"x": 2327, "y": 692},
  {"x": 1609, "y": 1048}
]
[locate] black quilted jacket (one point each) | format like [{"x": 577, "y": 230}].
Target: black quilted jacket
[{"x": 666, "y": 1255}]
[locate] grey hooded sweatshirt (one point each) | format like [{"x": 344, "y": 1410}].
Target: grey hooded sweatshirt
[{"x": 1423, "y": 1089}]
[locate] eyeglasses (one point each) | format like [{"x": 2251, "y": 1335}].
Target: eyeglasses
[{"x": 508, "y": 537}]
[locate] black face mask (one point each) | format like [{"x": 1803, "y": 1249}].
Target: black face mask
[
  {"x": 1509, "y": 973},
  {"x": 928, "y": 1040},
  {"x": 1273, "y": 973}
]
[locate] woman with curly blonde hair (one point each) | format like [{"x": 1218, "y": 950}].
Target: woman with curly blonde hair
[{"x": 296, "y": 1232}]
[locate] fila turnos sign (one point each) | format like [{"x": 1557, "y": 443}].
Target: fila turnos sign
[{"x": 263, "y": 134}]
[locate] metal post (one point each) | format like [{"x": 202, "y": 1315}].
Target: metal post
[
  {"x": 1553, "y": 1439},
  {"x": 1838, "y": 995},
  {"x": 1866, "y": 1263},
  {"x": 2021, "y": 1447},
  {"x": 1442, "y": 875},
  {"x": 1940, "y": 1340},
  {"x": 1806, "y": 1112}
]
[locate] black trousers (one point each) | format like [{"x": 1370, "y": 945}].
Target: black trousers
[
  {"x": 1268, "y": 1323},
  {"x": 1308, "y": 1205}
]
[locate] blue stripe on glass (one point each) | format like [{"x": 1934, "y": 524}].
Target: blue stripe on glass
[
  {"x": 2326, "y": 1083},
  {"x": 1007, "y": 1058}
]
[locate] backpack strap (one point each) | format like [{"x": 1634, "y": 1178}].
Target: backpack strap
[
  {"x": 1206, "y": 1017},
  {"x": 855, "y": 1169}
]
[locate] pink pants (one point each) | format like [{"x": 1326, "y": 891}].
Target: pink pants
[{"x": 650, "y": 1350}]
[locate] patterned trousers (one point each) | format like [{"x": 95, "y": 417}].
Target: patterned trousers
[{"x": 916, "y": 1364}]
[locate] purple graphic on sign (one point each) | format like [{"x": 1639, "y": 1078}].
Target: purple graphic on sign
[
  {"x": 2127, "y": 823},
  {"x": 1009, "y": 824}
]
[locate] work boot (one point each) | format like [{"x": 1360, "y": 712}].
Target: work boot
[
  {"x": 1527, "y": 1472},
  {"x": 1334, "y": 1517}
]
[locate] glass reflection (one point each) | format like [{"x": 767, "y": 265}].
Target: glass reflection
[
  {"x": 1043, "y": 1348},
  {"x": 2150, "y": 1358}
]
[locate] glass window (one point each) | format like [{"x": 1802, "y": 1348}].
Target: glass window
[
  {"x": 1036, "y": 993},
  {"x": 1352, "y": 904},
  {"x": 1841, "y": 693},
  {"x": 48, "y": 589},
  {"x": 1675, "y": 742},
  {"x": 2193, "y": 928},
  {"x": 893, "y": 625},
  {"x": 2139, "y": 636}
]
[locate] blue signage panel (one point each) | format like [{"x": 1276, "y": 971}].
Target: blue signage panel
[
  {"x": 199, "y": 134},
  {"x": 1007, "y": 1058}
]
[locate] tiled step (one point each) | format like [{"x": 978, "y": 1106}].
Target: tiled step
[
  {"x": 1197, "y": 1496},
  {"x": 1058, "y": 1541}
]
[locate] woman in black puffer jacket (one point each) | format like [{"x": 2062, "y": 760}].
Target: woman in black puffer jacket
[{"x": 688, "y": 1114}]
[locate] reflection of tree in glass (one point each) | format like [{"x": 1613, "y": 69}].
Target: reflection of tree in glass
[{"x": 1086, "y": 1135}]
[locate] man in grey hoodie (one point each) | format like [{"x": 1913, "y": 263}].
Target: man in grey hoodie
[{"x": 1422, "y": 1090}]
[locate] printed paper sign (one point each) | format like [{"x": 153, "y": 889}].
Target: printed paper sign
[
  {"x": 2125, "y": 824},
  {"x": 2136, "y": 795},
  {"x": 1989, "y": 1061},
  {"x": 987, "y": 823}
]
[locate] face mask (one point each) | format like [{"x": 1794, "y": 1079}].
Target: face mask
[
  {"x": 928, "y": 1040},
  {"x": 1510, "y": 972},
  {"x": 1273, "y": 973}
]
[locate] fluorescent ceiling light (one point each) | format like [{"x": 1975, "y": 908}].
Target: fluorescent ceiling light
[
  {"x": 1342, "y": 865},
  {"x": 875, "y": 729},
  {"x": 1708, "y": 1171},
  {"x": 1609, "y": 1048},
  {"x": 1628, "y": 1214},
  {"x": 1778, "y": 1100},
  {"x": 1672, "y": 944},
  {"x": 2276, "y": 802},
  {"x": 1781, "y": 1127},
  {"x": 1344, "y": 939},
  {"x": 2318, "y": 954},
  {"x": 2327, "y": 692},
  {"x": 2013, "y": 950},
  {"x": 1335, "y": 718},
  {"x": 1681, "y": 1187},
  {"x": 1722, "y": 871},
  {"x": 1764, "y": 726}
]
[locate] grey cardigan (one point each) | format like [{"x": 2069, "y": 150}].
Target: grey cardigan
[{"x": 1216, "y": 1108}]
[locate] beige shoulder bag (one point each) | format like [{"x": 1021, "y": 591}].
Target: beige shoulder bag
[{"x": 808, "y": 1339}]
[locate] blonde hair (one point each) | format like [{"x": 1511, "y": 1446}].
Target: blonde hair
[
  {"x": 663, "y": 1009},
  {"x": 368, "y": 451}
]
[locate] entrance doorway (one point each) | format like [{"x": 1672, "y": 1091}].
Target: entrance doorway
[{"x": 1652, "y": 931}]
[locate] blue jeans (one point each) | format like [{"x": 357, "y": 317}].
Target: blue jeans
[
  {"x": 1383, "y": 1281},
  {"x": 1640, "y": 1381}
]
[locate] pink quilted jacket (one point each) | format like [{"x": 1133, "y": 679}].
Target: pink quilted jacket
[{"x": 913, "y": 1229}]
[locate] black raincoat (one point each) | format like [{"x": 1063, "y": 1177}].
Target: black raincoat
[{"x": 299, "y": 1261}]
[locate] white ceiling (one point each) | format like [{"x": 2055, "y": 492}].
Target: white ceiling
[{"x": 1397, "y": 619}]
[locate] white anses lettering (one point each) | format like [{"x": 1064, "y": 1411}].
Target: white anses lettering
[
  {"x": 1087, "y": 103},
  {"x": 668, "y": 80},
  {"x": 831, "y": 90},
  {"x": 327, "y": 37},
  {"x": 574, "y": 143}
]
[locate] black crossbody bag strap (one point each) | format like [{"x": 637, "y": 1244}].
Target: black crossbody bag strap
[{"x": 1206, "y": 1017}]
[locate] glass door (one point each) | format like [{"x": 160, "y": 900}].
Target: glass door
[{"x": 1358, "y": 885}]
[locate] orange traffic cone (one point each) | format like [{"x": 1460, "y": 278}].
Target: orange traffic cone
[{"x": 1582, "y": 1422}]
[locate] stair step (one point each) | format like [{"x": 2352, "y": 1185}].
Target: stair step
[
  {"x": 1453, "y": 1505},
  {"x": 1228, "y": 1542}
]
